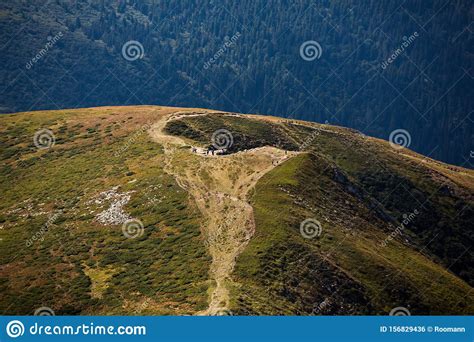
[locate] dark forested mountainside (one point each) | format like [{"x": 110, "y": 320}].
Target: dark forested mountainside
[{"x": 383, "y": 65}]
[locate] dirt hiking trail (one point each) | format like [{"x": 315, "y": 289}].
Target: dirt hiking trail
[{"x": 220, "y": 186}]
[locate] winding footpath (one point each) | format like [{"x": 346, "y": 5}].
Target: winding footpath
[{"x": 220, "y": 186}]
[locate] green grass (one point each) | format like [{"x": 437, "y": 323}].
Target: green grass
[
  {"x": 167, "y": 267},
  {"x": 54, "y": 252},
  {"x": 280, "y": 272},
  {"x": 359, "y": 188},
  {"x": 398, "y": 185}
]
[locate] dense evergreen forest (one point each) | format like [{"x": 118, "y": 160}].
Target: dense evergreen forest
[{"x": 383, "y": 65}]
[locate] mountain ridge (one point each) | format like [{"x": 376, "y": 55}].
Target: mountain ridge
[{"x": 355, "y": 192}]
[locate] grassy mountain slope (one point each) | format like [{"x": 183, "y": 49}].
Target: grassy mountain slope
[
  {"x": 361, "y": 190},
  {"x": 346, "y": 270},
  {"x": 78, "y": 265},
  {"x": 223, "y": 232}
]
